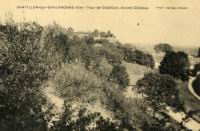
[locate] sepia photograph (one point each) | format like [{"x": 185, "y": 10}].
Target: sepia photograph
[{"x": 99, "y": 65}]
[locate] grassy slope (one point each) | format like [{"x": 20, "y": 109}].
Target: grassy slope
[{"x": 136, "y": 71}]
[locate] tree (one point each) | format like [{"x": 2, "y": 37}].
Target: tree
[
  {"x": 109, "y": 34},
  {"x": 138, "y": 56},
  {"x": 70, "y": 31},
  {"x": 24, "y": 67},
  {"x": 102, "y": 34},
  {"x": 131, "y": 113},
  {"x": 89, "y": 40},
  {"x": 159, "y": 124},
  {"x": 198, "y": 55},
  {"x": 196, "y": 69},
  {"x": 75, "y": 82},
  {"x": 102, "y": 68},
  {"x": 160, "y": 91},
  {"x": 128, "y": 52},
  {"x": 81, "y": 51},
  {"x": 120, "y": 76},
  {"x": 83, "y": 121},
  {"x": 196, "y": 85},
  {"x": 144, "y": 59},
  {"x": 56, "y": 37},
  {"x": 111, "y": 53},
  {"x": 163, "y": 47},
  {"x": 175, "y": 64},
  {"x": 96, "y": 33}
]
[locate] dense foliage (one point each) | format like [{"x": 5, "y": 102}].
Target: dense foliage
[
  {"x": 198, "y": 54},
  {"x": 24, "y": 67},
  {"x": 175, "y": 64},
  {"x": 160, "y": 91},
  {"x": 74, "y": 82},
  {"x": 137, "y": 56},
  {"x": 83, "y": 122},
  {"x": 196, "y": 69},
  {"x": 55, "y": 38},
  {"x": 119, "y": 76},
  {"x": 196, "y": 85},
  {"x": 163, "y": 47},
  {"x": 144, "y": 59}
]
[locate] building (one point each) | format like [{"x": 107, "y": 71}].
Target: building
[
  {"x": 109, "y": 39},
  {"x": 81, "y": 34}
]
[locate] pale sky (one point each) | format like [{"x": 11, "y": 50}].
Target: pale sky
[{"x": 176, "y": 27}]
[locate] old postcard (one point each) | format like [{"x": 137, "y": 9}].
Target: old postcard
[{"x": 100, "y": 65}]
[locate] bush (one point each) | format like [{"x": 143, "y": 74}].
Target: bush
[
  {"x": 196, "y": 85},
  {"x": 175, "y": 64}
]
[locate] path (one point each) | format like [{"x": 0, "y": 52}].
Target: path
[
  {"x": 54, "y": 99},
  {"x": 178, "y": 116}
]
